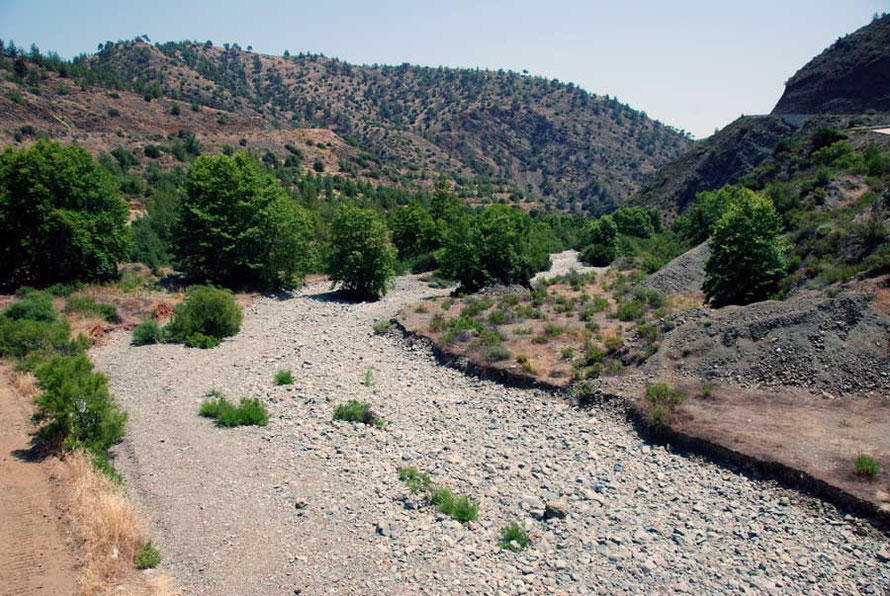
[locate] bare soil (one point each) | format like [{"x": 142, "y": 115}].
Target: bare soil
[{"x": 35, "y": 557}]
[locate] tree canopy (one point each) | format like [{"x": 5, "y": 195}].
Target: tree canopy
[{"x": 61, "y": 218}]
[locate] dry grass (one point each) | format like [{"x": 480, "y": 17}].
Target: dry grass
[
  {"x": 25, "y": 384},
  {"x": 112, "y": 534}
]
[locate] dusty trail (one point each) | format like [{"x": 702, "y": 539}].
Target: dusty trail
[
  {"x": 314, "y": 506},
  {"x": 34, "y": 557}
]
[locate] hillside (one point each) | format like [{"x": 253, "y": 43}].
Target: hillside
[
  {"x": 500, "y": 135},
  {"x": 846, "y": 86},
  {"x": 850, "y": 77}
]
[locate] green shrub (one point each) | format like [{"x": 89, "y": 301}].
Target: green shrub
[
  {"x": 381, "y": 327},
  {"x": 88, "y": 305},
  {"x": 458, "y": 507},
  {"x": 707, "y": 391},
  {"x": 249, "y": 411},
  {"x": 284, "y": 377},
  {"x": 357, "y": 411},
  {"x": 651, "y": 296},
  {"x": 498, "y": 317},
  {"x": 206, "y": 311},
  {"x": 631, "y": 311},
  {"x": 416, "y": 480},
  {"x": 497, "y": 353},
  {"x": 201, "y": 341},
  {"x": 514, "y": 538},
  {"x": 599, "y": 242},
  {"x": 61, "y": 217},
  {"x": 148, "y": 557},
  {"x": 662, "y": 400},
  {"x": 473, "y": 306},
  {"x": 22, "y": 338},
  {"x": 32, "y": 306},
  {"x": 866, "y": 466},
  {"x": 74, "y": 407},
  {"x": 362, "y": 260},
  {"x": 149, "y": 332}
]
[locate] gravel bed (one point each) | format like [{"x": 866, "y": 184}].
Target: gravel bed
[{"x": 312, "y": 506}]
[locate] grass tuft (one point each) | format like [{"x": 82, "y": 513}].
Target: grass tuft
[
  {"x": 866, "y": 466},
  {"x": 249, "y": 411},
  {"x": 284, "y": 377},
  {"x": 358, "y": 411},
  {"x": 149, "y": 557},
  {"x": 514, "y": 538}
]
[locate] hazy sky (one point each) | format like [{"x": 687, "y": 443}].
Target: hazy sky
[{"x": 693, "y": 64}]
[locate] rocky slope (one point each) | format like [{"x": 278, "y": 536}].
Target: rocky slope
[
  {"x": 850, "y": 77},
  {"x": 309, "y": 505}
]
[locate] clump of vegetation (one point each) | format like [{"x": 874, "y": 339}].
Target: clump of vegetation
[
  {"x": 248, "y": 412},
  {"x": 523, "y": 361},
  {"x": 206, "y": 316},
  {"x": 662, "y": 400},
  {"x": 238, "y": 226},
  {"x": 381, "y": 327},
  {"x": 497, "y": 353},
  {"x": 149, "y": 332},
  {"x": 362, "y": 261},
  {"x": 358, "y": 411},
  {"x": 284, "y": 377},
  {"x": 148, "y": 557},
  {"x": 866, "y": 466},
  {"x": 31, "y": 306},
  {"x": 88, "y": 305},
  {"x": 61, "y": 218},
  {"x": 707, "y": 391},
  {"x": 458, "y": 507},
  {"x": 74, "y": 407},
  {"x": 514, "y": 538}
]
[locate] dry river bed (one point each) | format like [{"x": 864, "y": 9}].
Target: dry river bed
[{"x": 311, "y": 506}]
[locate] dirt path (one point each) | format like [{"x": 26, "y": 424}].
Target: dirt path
[
  {"x": 34, "y": 557},
  {"x": 311, "y": 506}
]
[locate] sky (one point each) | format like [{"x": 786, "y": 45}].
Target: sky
[{"x": 694, "y": 64}]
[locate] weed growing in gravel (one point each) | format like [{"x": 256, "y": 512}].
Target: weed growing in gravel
[
  {"x": 369, "y": 378},
  {"x": 199, "y": 340},
  {"x": 662, "y": 400},
  {"x": 707, "y": 391},
  {"x": 358, "y": 411},
  {"x": 447, "y": 303},
  {"x": 498, "y": 317},
  {"x": 284, "y": 377},
  {"x": 421, "y": 309},
  {"x": 514, "y": 538},
  {"x": 866, "y": 466},
  {"x": 416, "y": 480},
  {"x": 149, "y": 332},
  {"x": 149, "y": 557},
  {"x": 249, "y": 411},
  {"x": 381, "y": 327},
  {"x": 523, "y": 331},
  {"x": 458, "y": 507}
]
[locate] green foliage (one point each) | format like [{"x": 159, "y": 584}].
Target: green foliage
[
  {"x": 635, "y": 221},
  {"x": 20, "y": 338},
  {"x": 238, "y": 227},
  {"x": 357, "y": 411},
  {"x": 662, "y": 400},
  {"x": 631, "y": 311},
  {"x": 60, "y": 217},
  {"x": 514, "y": 538},
  {"x": 32, "y": 306},
  {"x": 362, "y": 258},
  {"x": 153, "y": 232},
  {"x": 599, "y": 242},
  {"x": 148, "y": 557},
  {"x": 88, "y": 305},
  {"x": 284, "y": 377},
  {"x": 494, "y": 246},
  {"x": 74, "y": 408},
  {"x": 697, "y": 223},
  {"x": 497, "y": 353},
  {"x": 747, "y": 258},
  {"x": 382, "y": 326},
  {"x": 416, "y": 480},
  {"x": 248, "y": 412},
  {"x": 149, "y": 332},
  {"x": 201, "y": 341},
  {"x": 866, "y": 466},
  {"x": 458, "y": 507},
  {"x": 414, "y": 231},
  {"x": 206, "y": 311}
]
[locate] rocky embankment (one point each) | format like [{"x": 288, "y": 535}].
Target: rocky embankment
[{"x": 308, "y": 505}]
